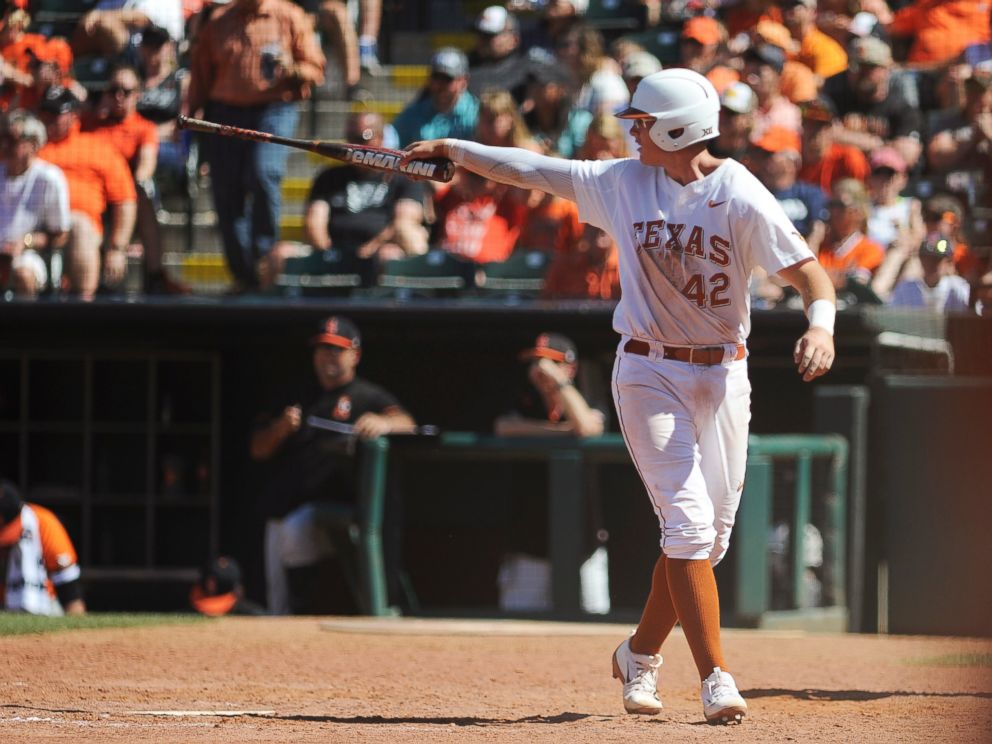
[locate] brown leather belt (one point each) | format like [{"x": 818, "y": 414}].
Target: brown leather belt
[{"x": 688, "y": 354}]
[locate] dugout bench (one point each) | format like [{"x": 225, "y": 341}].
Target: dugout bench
[{"x": 570, "y": 462}]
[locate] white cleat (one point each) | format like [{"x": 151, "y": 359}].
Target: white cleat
[
  {"x": 722, "y": 703},
  {"x": 639, "y": 674}
]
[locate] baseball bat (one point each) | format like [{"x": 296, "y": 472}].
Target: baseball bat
[
  {"x": 318, "y": 422},
  {"x": 376, "y": 158}
]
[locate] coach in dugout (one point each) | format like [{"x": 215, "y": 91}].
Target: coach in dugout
[
  {"x": 38, "y": 564},
  {"x": 310, "y": 472},
  {"x": 252, "y": 63}
]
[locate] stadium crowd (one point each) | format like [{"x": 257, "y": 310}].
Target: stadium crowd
[{"x": 870, "y": 121}]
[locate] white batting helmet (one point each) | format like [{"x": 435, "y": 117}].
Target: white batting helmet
[{"x": 685, "y": 104}]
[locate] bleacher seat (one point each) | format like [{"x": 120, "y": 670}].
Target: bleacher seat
[
  {"x": 436, "y": 273},
  {"x": 329, "y": 272},
  {"x": 522, "y": 274}
]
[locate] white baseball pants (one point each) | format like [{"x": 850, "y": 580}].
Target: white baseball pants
[{"x": 686, "y": 428}]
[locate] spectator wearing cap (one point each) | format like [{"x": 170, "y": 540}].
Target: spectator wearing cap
[
  {"x": 777, "y": 159},
  {"x": 873, "y": 105},
  {"x": 310, "y": 471},
  {"x": 699, "y": 43},
  {"x": 824, "y": 56},
  {"x": 600, "y": 88},
  {"x": 940, "y": 29},
  {"x": 445, "y": 107},
  {"x": 939, "y": 288},
  {"x": 551, "y": 115},
  {"x": 894, "y": 218},
  {"x": 497, "y": 60},
  {"x": 251, "y": 65},
  {"x": 40, "y": 572},
  {"x": 549, "y": 403},
  {"x": 798, "y": 82},
  {"x": 846, "y": 252},
  {"x": 34, "y": 205},
  {"x": 107, "y": 31},
  {"x": 219, "y": 591},
  {"x": 826, "y": 161},
  {"x": 944, "y": 215},
  {"x": 737, "y": 104},
  {"x": 636, "y": 66},
  {"x": 763, "y": 65},
  {"x": 99, "y": 178},
  {"x": 964, "y": 142}
]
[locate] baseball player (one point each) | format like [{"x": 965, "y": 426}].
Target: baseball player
[{"x": 690, "y": 227}]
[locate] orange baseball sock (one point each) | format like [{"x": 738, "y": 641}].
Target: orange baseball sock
[
  {"x": 658, "y": 617},
  {"x": 695, "y": 597}
]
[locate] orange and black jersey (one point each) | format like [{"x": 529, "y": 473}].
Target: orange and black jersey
[{"x": 313, "y": 464}]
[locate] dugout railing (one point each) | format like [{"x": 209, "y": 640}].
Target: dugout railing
[{"x": 570, "y": 462}]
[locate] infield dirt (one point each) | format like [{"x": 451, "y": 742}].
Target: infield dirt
[{"x": 359, "y": 680}]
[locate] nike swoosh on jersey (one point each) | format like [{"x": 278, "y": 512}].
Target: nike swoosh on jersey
[{"x": 712, "y": 203}]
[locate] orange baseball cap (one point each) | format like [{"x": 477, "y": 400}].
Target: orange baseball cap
[
  {"x": 553, "y": 346},
  {"x": 703, "y": 29},
  {"x": 779, "y": 139}
]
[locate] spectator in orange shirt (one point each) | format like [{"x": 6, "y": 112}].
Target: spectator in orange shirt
[
  {"x": 590, "y": 269},
  {"x": 745, "y": 15},
  {"x": 826, "y": 161},
  {"x": 477, "y": 220},
  {"x": 117, "y": 120},
  {"x": 820, "y": 53},
  {"x": 940, "y": 29},
  {"x": 20, "y": 55},
  {"x": 846, "y": 252},
  {"x": 252, "y": 63},
  {"x": 799, "y": 83},
  {"x": 98, "y": 176}
]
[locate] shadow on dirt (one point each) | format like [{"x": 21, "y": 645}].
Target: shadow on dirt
[
  {"x": 444, "y": 720},
  {"x": 855, "y": 695}
]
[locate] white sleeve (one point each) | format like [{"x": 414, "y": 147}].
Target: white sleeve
[
  {"x": 772, "y": 241},
  {"x": 597, "y": 183},
  {"x": 516, "y": 167}
]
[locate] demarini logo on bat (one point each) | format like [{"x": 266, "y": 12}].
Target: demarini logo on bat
[{"x": 388, "y": 161}]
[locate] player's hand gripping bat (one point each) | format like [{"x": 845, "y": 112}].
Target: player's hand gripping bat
[{"x": 376, "y": 158}]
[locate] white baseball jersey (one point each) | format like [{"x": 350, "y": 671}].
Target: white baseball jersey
[{"x": 686, "y": 252}]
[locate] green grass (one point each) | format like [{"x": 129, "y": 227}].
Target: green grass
[
  {"x": 19, "y": 624},
  {"x": 955, "y": 660}
]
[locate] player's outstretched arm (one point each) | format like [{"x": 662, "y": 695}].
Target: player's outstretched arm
[
  {"x": 510, "y": 165},
  {"x": 814, "y": 351}
]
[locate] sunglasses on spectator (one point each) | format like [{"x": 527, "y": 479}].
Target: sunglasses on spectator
[{"x": 121, "y": 90}]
